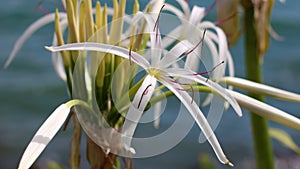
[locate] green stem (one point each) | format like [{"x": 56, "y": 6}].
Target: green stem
[{"x": 262, "y": 142}]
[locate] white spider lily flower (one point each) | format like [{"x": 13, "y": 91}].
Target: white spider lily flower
[
  {"x": 266, "y": 110},
  {"x": 158, "y": 71},
  {"x": 164, "y": 76},
  {"x": 215, "y": 40},
  {"x": 46, "y": 133},
  {"x": 261, "y": 89}
]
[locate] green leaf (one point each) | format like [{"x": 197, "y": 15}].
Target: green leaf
[{"x": 284, "y": 138}]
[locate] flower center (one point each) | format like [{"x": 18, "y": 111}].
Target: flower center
[{"x": 155, "y": 72}]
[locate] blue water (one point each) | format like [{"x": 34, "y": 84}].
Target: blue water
[{"x": 30, "y": 90}]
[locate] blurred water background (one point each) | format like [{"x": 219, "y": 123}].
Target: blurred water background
[{"x": 30, "y": 90}]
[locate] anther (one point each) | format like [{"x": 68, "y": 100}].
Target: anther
[
  {"x": 41, "y": 7},
  {"x": 144, "y": 93},
  {"x": 207, "y": 72},
  {"x": 201, "y": 40},
  {"x": 157, "y": 22}
]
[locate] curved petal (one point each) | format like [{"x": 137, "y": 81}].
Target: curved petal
[
  {"x": 215, "y": 87},
  {"x": 28, "y": 32},
  {"x": 155, "y": 38},
  {"x": 196, "y": 15},
  {"x": 266, "y": 110},
  {"x": 106, "y": 48},
  {"x": 157, "y": 4},
  {"x": 174, "y": 10},
  {"x": 261, "y": 89},
  {"x": 139, "y": 103},
  {"x": 196, "y": 113},
  {"x": 185, "y": 7},
  {"x": 157, "y": 110},
  {"x": 172, "y": 56},
  {"x": 44, "y": 135},
  {"x": 171, "y": 37}
]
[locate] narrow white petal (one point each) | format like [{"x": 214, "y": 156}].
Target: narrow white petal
[
  {"x": 64, "y": 3},
  {"x": 157, "y": 4},
  {"x": 155, "y": 38},
  {"x": 261, "y": 89},
  {"x": 186, "y": 74},
  {"x": 28, "y": 32},
  {"x": 171, "y": 37},
  {"x": 173, "y": 55},
  {"x": 266, "y": 110},
  {"x": 220, "y": 43},
  {"x": 106, "y": 48},
  {"x": 196, "y": 113},
  {"x": 59, "y": 66},
  {"x": 157, "y": 111},
  {"x": 139, "y": 103},
  {"x": 44, "y": 135},
  {"x": 174, "y": 10},
  {"x": 185, "y": 7},
  {"x": 219, "y": 39},
  {"x": 196, "y": 15}
]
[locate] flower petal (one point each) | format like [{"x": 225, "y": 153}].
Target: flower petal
[
  {"x": 139, "y": 103},
  {"x": 157, "y": 110},
  {"x": 172, "y": 36},
  {"x": 28, "y": 32},
  {"x": 196, "y": 113},
  {"x": 261, "y": 89},
  {"x": 196, "y": 15},
  {"x": 44, "y": 135},
  {"x": 155, "y": 38},
  {"x": 185, "y": 7},
  {"x": 174, "y": 10},
  {"x": 266, "y": 110},
  {"x": 186, "y": 74},
  {"x": 100, "y": 47},
  {"x": 172, "y": 56}
]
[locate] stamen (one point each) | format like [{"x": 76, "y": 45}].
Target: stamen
[
  {"x": 144, "y": 93},
  {"x": 157, "y": 22},
  {"x": 207, "y": 72},
  {"x": 191, "y": 88},
  {"x": 41, "y": 7},
  {"x": 210, "y": 8},
  {"x": 130, "y": 55},
  {"x": 201, "y": 40},
  {"x": 225, "y": 19}
]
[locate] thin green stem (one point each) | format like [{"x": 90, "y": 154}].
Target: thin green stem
[{"x": 262, "y": 142}]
